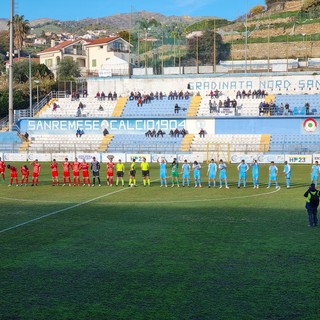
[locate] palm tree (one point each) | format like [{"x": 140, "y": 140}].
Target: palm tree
[{"x": 21, "y": 28}]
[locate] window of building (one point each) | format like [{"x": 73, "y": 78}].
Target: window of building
[
  {"x": 94, "y": 63},
  {"x": 48, "y": 63}
]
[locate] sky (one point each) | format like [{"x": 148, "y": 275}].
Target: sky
[{"x": 80, "y": 9}]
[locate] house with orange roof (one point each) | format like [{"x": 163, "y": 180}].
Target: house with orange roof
[{"x": 91, "y": 55}]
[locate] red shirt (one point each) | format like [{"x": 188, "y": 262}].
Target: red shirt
[
  {"x": 36, "y": 167},
  {"x": 110, "y": 167},
  {"x": 2, "y": 166},
  {"x": 24, "y": 171},
  {"x": 84, "y": 166},
  {"x": 76, "y": 166},
  {"x": 54, "y": 167},
  {"x": 66, "y": 166}
]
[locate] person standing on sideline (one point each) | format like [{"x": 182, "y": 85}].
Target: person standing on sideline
[
  {"x": 85, "y": 173},
  {"x": 95, "y": 168},
  {"x": 163, "y": 173},
  {"x": 145, "y": 172},
  {"x": 175, "y": 172},
  {"x": 36, "y": 171},
  {"x": 314, "y": 173},
  {"x": 66, "y": 172},
  {"x": 312, "y": 203},
  {"x": 273, "y": 175},
  {"x": 120, "y": 172},
  {"x": 197, "y": 174},
  {"x": 185, "y": 171},
  {"x": 223, "y": 173},
  {"x": 2, "y": 169},
  {"x": 132, "y": 173},
  {"x": 54, "y": 172},
  {"x": 242, "y": 168},
  {"x": 110, "y": 168},
  {"x": 212, "y": 173},
  {"x": 255, "y": 174},
  {"x": 287, "y": 173}
]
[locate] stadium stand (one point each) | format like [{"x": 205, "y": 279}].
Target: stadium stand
[
  {"x": 92, "y": 107},
  {"x": 65, "y": 143}
]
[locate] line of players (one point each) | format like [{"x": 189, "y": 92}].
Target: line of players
[{"x": 76, "y": 167}]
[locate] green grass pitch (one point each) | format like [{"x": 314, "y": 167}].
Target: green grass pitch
[{"x": 158, "y": 253}]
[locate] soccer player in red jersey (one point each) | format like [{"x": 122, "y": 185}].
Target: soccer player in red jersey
[
  {"x": 2, "y": 169},
  {"x": 110, "y": 166},
  {"x": 85, "y": 172},
  {"x": 54, "y": 172},
  {"x": 75, "y": 170},
  {"x": 13, "y": 175},
  {"x": 36, "y": 172},
  {"x": 66, "y": 172},
  {"x": 24, "y": 175}
]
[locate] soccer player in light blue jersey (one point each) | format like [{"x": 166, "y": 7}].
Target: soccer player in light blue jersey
[
  {"x": 223, "y": 173},
  {"x": 242, "y": 168},
  {"x": 255, "y": 174},
  {"x": 315, "y": 173},
  {"x": 196, "y": 174},
  {"x": 163, "y": 173},
  {"x": 212, "y": 172},
  {"x": 287, "y": 173},
  {"x": 185, "y": 173},
  {"x": 273, "y": 175}
]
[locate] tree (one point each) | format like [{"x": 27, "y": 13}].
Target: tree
[
  {"x": 21, "y": 28},
  {"x": 68, "y": 69},
  {"x": 124, "y": 35},
  {"x": 205, "y": 46},
  {"x": 4, "y": 42},
  {"x": 312, "y": 7}
]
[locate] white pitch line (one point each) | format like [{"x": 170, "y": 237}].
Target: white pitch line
[{"x": 61, "y": 210}]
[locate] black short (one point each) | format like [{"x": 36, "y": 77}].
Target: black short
[
  {"x": 95, "y": 173},
  {"x": 132, "y": 173},
  {"x": 119, "y": 174},
  {"x": 145, "y": 173}
]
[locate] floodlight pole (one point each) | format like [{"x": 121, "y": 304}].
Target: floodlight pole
[
  {"x": 30, "y": 88},
  {"x": 246, "y": 40},
  {"x": 10, "y": 111}
]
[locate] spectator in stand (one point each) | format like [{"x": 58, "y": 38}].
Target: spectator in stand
[
  {"x": 216, "y": 93},
  {"x": 78, "y": 114},
  {"x": 98, "y": 95},
  {"x": 180, "y": 95},
  {"x": 115, "y": 96},
  {"x": 110, "y": 97},
  {"x": 183, "y": 132},
  {"x": 307, "y": 107},
  {"x": 156, "y": 95},
  {"x": 249, "y": 94},
  {"x": 160, "y": 133},
  {"x": 171, "y": 133},
  {"x": 148, "y": 133},
  {"x": 105, "y": 132},
  {"x": 161, "y": 95},
  {"x": 211, "y": 94},
  {"x": 243, "y": 94},
  {"x": 26, "y": 136},
  {"x": 153, "y": 133},
  {"x": 85, "y": 93},
  {"x": 55, "y": 106},
  {"x": 131, "y": 97},
  {"x": 103, "y": 96},
  {"x": 100, "y": 108},
  {"x": 176, "y": 132},
  {"x": 202, "y": 133},
  {"x": 176, "y": 108},
  {"x": 186, "y": 95},
  {"x": 175, "y": 95},
  {"x": 81, "y": 106},
  {"x": 139, "y": 102},
  {"x": 238, "y": 95},
  {"x": 170, "y": 96},
  {"x": 210, "y": 106}
]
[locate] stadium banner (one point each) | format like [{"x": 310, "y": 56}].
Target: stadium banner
[
  {"x": 299, "y": 159},
  {"x": 87, "y": 156},
  {"x": 96, "y": 126},
  {"x": 138, "y": 157},
  {"x": 316, "y": 157},
  {"x": 248, "y": 158},
  {"x": 15, "y": 157},
  {"x": 39, "y": 156},
  {"x": 267, "y": 158},
  {"x": 191, "y": 157},
  {"x": 116, "y": 156},
  {"x": 168, "y": 157},
  {"x": 227, "y": 111},
  {"x": 61, "y": 156},
  {"x": 195, "y": 125}
]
